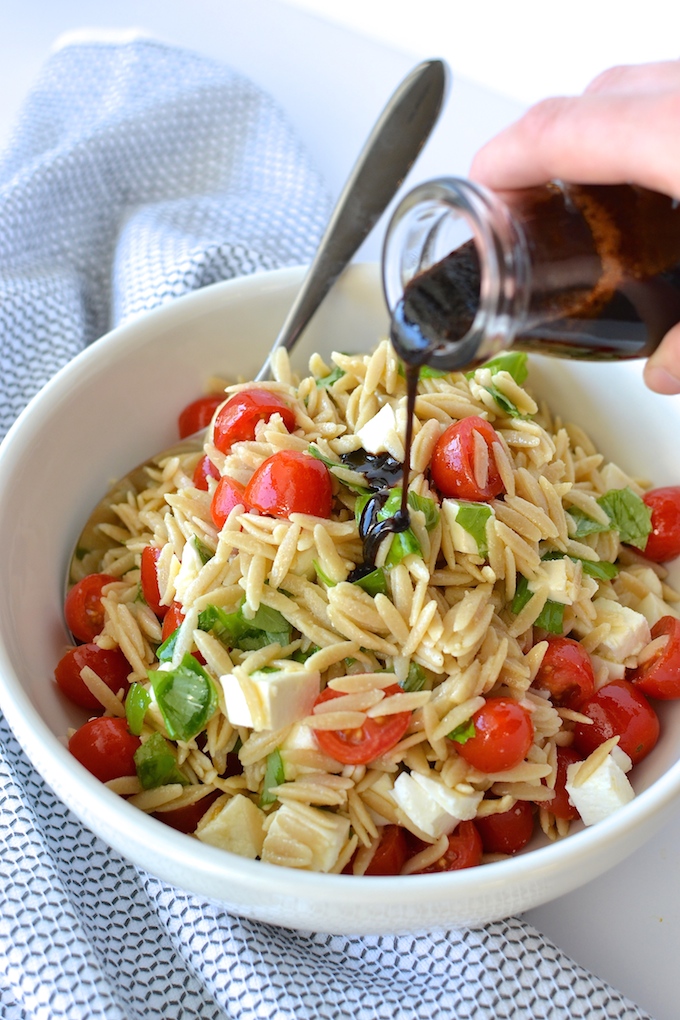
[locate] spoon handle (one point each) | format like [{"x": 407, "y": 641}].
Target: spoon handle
[{"x": 389, "y": 153}]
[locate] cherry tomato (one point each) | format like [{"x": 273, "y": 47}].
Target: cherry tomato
[
  {"x": 149, "y": 580},
  {"x": 198, "y": 414},
  {"x": 185, "y": 819},
  {"x": 504, "y": 733},
  {"x": 566, "y": 672},
  {"x": 171, "y": 621},
  {"x": 663, "y": 542},
  {"x": 228, "y": 494},
  {"x": 561, "y": 806},
  {"x": 204, "y": 470},
  {"x": 291, "y": 482},
  {"x": 109, "y": 664},
  {"x": 659, "y": 677},
  {"x": 618, "y": 708},
  {"x": 375, "y": 737},
  {"x": 83, "y": 608},
  {"x": 236, "y": 421},
  {"x": 464, "y": 851},
  {"x": 105, "y": 747},
  {"x": 391, "y": 853},
  {"x": 508, "y": 832},
  {"x": 453, "y": 459}
]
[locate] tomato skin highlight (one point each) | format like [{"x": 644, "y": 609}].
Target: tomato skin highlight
[
  {"x": 185, "y": 819},
  {"x": 198, "y": 414},
  {"x": 504, "y": 733},
  {"x": 452, "y": 462},
  {"x": 507, "y": 832},
  {"x": 618, "y": 708},
  {"x": 561, "y": 806},
  {"x": 109, "y": 664},
  {"x": 464, "y": 851},
  {"x": 391, "y": 853},
  {"x": 659, "y": 677},
  {"x": 228, "y": 494},
  {"x": 83, "y": 608},
  {"x": 291, "y": 482},
  {"x": 663, "y": 543},
  {"x": 204, "y": 470},
  {"x": 359, "y": 746},
  {"x": 236, "y": 421},
  {"x": 105, "y": 747},
  {"x": 566, "y": 672},
  {"x": 149, "y": 580}
]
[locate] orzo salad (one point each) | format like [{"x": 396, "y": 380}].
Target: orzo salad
[{"x": 269, "y": 671}]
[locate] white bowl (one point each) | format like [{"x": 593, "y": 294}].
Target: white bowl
[{"x": 117, "y": 403}]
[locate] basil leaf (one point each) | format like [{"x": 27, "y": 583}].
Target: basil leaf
[
  {"x": 156, "y": 764},
  {"x": 586, "y": 525},
  {"x": 404, "y": 542},
  {"x": 415, "y": 678},
  {"x": 426, "y": 372},
  {"x": 522, "y": 595},
  {"x": 513, "y": 362},
  {"x": 332, "y": 377},
  {"x": 136, "y": 703},
  {"x": 472, "y": 517},
  {"x": 426, "y": 505},
  {"x": 328, "y": 581},
  {"x": 202, "y": 549},
  {"x": 300, "y": 656},
  {"x": 629, "y": 514},
  {"x": 504, "y": 403},
  {"x": 165, "y": 651},
  {"x": 234, "y": 630},
  {"x": 274, "y": 775},
  {"x": 186, "y": 698},
  {"x": 466, "y": 731},
  {"x": 551, "y": 617},
  {"x": 316, "y": 452},
  {"x": 601, "y": 570},
  {"x": 374, "y": 583}
]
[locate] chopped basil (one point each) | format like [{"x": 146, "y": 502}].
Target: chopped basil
[
  {"x": 426, "y": 372},
  {"x": 330, "y": 464},
  {"x": 165, "y": 651},
  {"x": 585, "y": 525},
  {"x": 274, "y": 775},
  {"x": 463, "y": 733},
  {"x": 415, "y": 678},
  {"x": 186, "y": 698},
  {"x": 302, "y": 656},
  {"x": 202, "y": 549},
  {"x": 332, "y": 377},
  {"x": 234, "y": 630},
  {"x": 551, "y": 617},
  {"x": 515, "y": 363},
  {"x": 323, "y": 576},
  {"x": 156, "y": 763},
  {"x": 504, "y": 402},
  {"x": 374, "y": 583},
  {"x": 630, "y": 516},
  {"x": 136, "y": 703},
  {"x": 472, "y": 517},
  {"x": 601, "y": 570},
  {"x": 426, "y": 505}
]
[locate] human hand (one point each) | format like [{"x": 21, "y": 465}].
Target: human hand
[{"x": 623, "y": 129}]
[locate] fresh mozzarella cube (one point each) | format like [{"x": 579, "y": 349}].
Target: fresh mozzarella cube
[
  {"x": 469, "y": 536},
  {"x": 629, "y": 631},
  {"x": 234, "y": 824},
  {"x": 300, "y": 738},
  {"x": 462, "y": 806},
  {"x": 605, "y": 670},
  {"x": 621, "y": 758},
  {"x": 377, "y": 432},
  {"x": 653, "y": 608},
  {"x": 305, "y": 837},
  {"x": 270, "y": 701},
  {"x": 432, "y": 806},
  {"x": 383, "y": 787},
  {"x": 606, "y": 790},
  {"x": 560, "y": 578}
]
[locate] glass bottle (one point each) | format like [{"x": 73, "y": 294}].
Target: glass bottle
[{"x": 572, "y": 271}]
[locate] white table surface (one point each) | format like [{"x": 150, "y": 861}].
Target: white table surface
[{"x": 625, "y": 927}]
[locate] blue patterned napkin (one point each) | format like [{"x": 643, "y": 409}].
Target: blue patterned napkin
[{"x": 137, "y": 173}]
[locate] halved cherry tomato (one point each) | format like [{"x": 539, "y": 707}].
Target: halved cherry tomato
[
  {"x": 236, "y": 421},
  {"x": 453, "y": 461},
  {"x": 663, "y": 543},
  {"x": 507, "y": 832},
  {"x": 185, "y": 819},
  {"x": 375, "y": 737},
  {"x": 561, "y": 806},
  {"x": 391, "y": 853},
  {"x": 618, "y": 708},
  {"x": 149, "y": 580},
  {"x": 228, "y": 494},
  {"x": 566, "y": 672},
  {"x": 83, "y": 608},
  {"x": 199, "y": 414},
  {"x": 464, "y": 851},
  {"x": 204, "y": 470},
  {"x": 105, "y": 747},
  {"x": 109, "y": 664},
  {"x": 171, "y": 621},
  {"x": 504, "y": 733},
  {"x": 659, "y": 677},
  {"x": 291, "y": 482}
]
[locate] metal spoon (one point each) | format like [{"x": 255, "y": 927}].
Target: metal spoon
[{"x": 389, "y": 153}]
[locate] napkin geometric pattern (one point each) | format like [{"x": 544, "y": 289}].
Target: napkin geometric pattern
[{"x": 139, "y": 172}]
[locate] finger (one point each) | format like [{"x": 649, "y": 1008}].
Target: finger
[
  {"x": 597, "y": 138},
  {"x": 661, "y": 76},
  {"x": 662, "y": 371}
]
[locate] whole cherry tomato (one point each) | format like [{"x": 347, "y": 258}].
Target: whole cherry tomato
[
  {"x": 659, "y": 677},
  {"x": 149, "y": 580},
  {"x": 83, "y": 608},
  {"x": 185, "y": 819},
  {"x": 453, "y": 461},
  {"x": 367, "y": 742},
  {"x": 561, "y": 806},
  {"x": 228, "y": 494},
  {"x": 504, "y": 733},
  {"x": 566, "y": 672},
  {"x": 204, "y": 470},
  {"x": 507, "y": 832},
  {"x": 198, "y": 414},
  {"x": 391, "y": 853},
  {"x": 464, "y": 851},
  {"x": 109, "y": 664},
  {"x": 291, "y": 482},
  {"x": 236, "y": 421},
  {"x": 663, "y": 543},
  {"x": 618, "y": 708},
  {"x": 105, "y": 747}
]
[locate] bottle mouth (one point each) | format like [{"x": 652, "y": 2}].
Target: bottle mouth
[{"x": 434, "y": 220}]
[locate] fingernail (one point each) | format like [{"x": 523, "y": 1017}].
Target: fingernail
[{"x": 661, "y": 380}]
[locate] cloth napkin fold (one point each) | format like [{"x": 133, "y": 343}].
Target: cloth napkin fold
[{"x": 139, "y": 172}]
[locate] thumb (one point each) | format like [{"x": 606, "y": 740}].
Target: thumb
[{"x": 662, "y": 371}]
